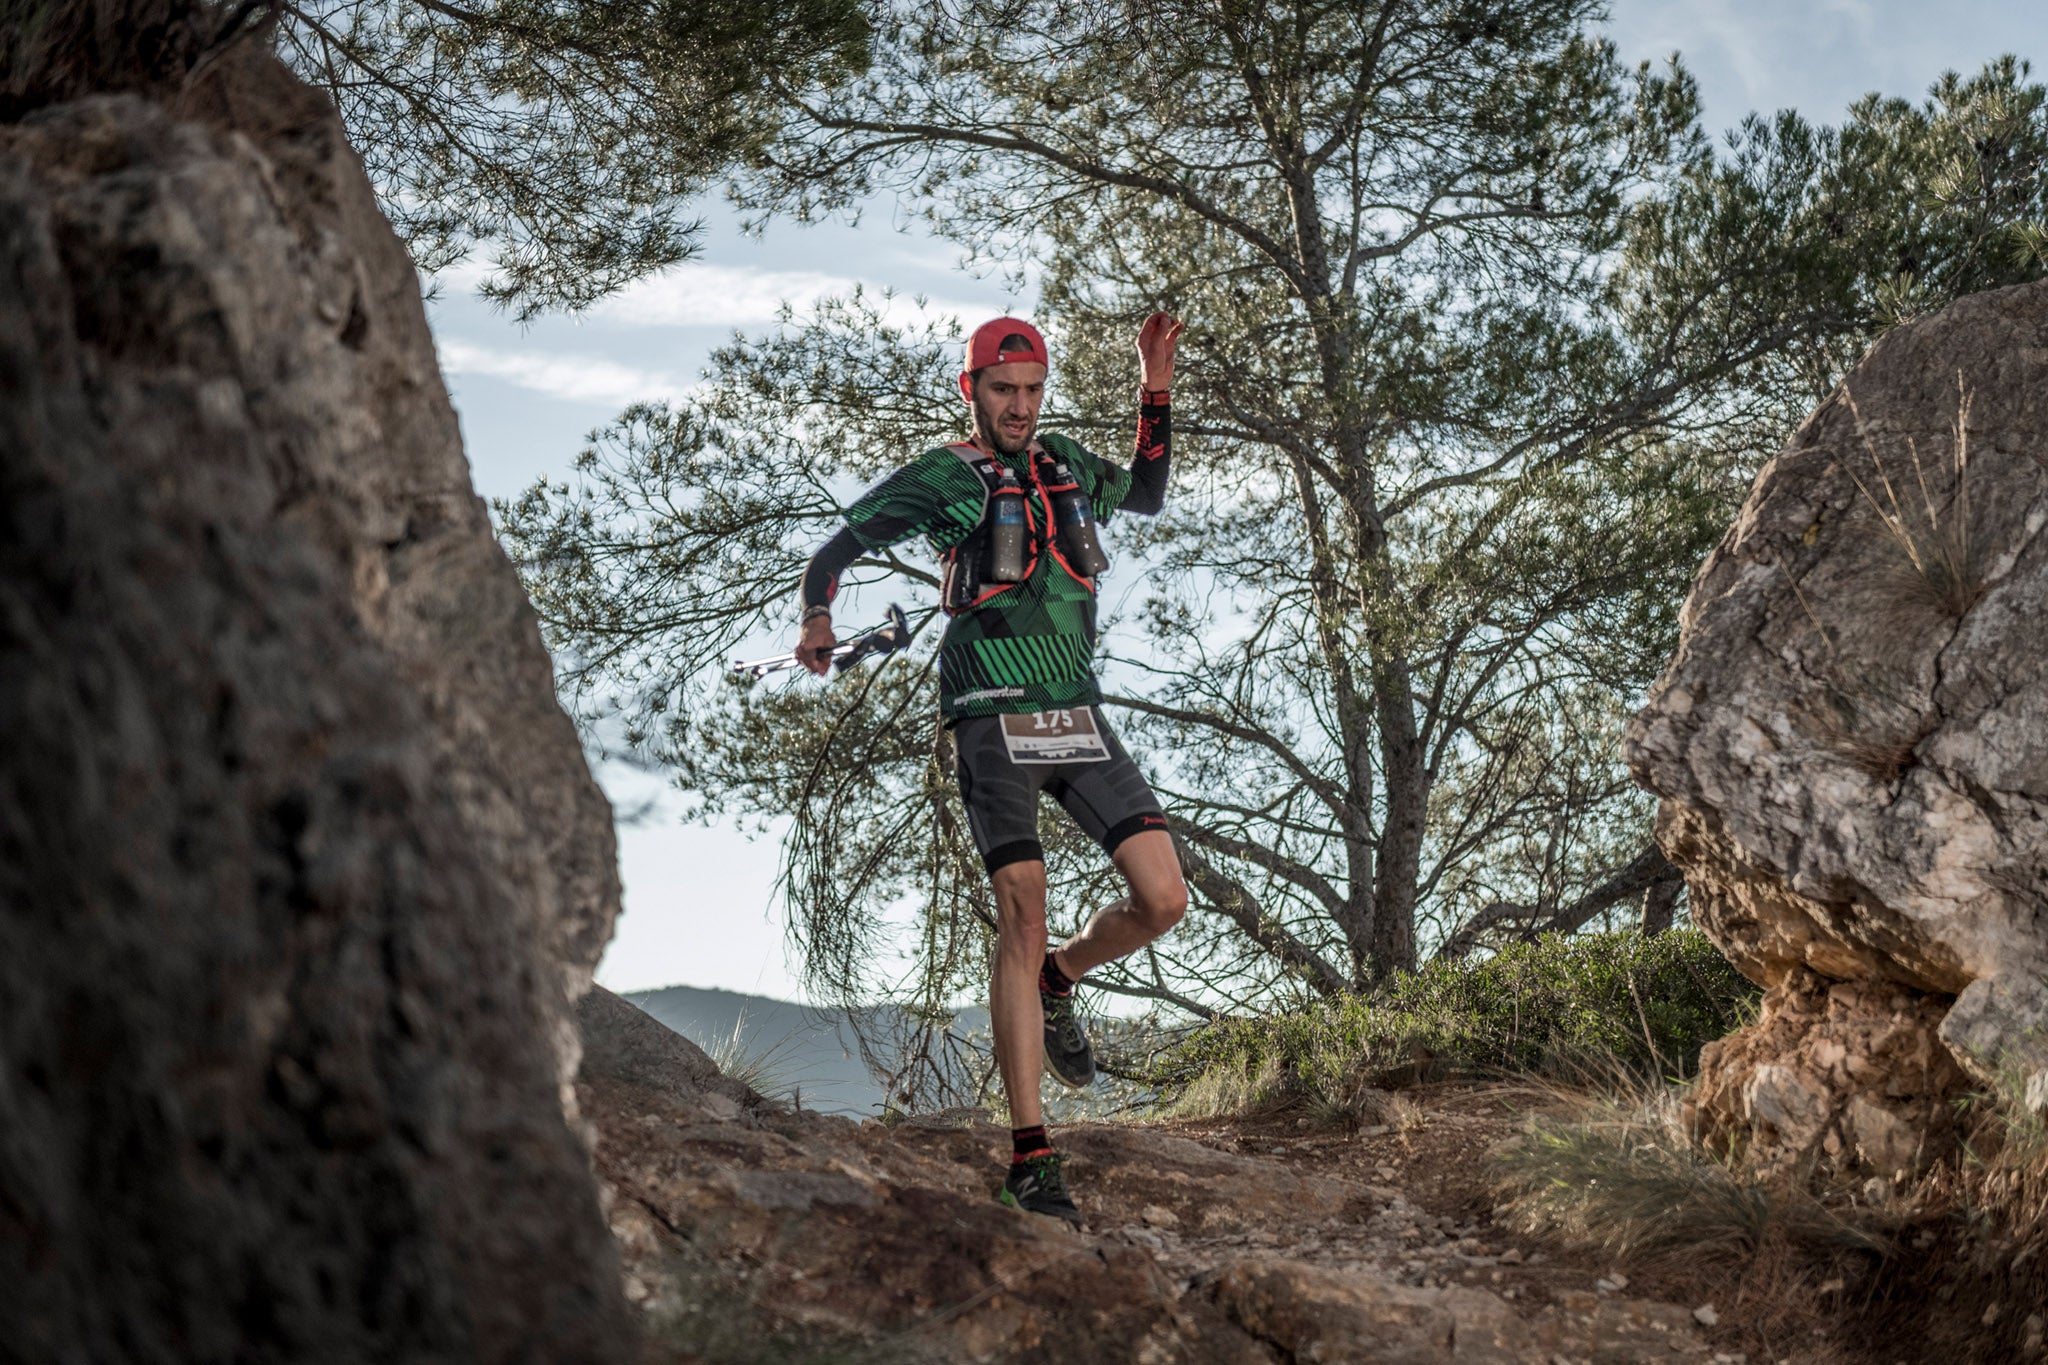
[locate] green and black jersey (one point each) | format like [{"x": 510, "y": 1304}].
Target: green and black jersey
[{"x": 1027, "y": 646}]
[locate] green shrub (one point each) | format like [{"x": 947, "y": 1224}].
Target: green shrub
[{"x": 1557, "y": 1007}]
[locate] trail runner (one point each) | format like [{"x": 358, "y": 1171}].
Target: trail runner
[{"x": 1018, "y": 690}]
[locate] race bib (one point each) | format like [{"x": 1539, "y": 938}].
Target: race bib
[{"x": 1065, "y": 736}]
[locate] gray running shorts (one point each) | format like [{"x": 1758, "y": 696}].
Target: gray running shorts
[{"x": 1109, "y": 798}]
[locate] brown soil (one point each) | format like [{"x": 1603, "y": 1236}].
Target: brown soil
[
  {"x": 1440, "y": 1158},
  {"x": 1941, "y": 1296}
]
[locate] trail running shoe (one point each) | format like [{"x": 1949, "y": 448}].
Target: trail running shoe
[
  {"x": 1067, "y": 1054},
  {"x": 1035, "y": 1185}
]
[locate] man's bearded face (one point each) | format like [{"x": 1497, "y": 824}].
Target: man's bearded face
[{"x": 1006, "y": 402}]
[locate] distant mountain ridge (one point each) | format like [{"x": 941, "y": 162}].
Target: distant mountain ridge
[
  {"x": 806, "y": 1053},
  {"x": 803, "y": 1050}
]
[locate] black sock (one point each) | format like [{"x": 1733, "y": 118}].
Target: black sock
[
  {"x": 1028, "y": 1142},
  {"x": 1052, "y": 980}
]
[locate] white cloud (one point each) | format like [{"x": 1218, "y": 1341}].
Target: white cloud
[
  {"x": 1819, "y": 56},
  {"x": 700, "y": 295},
  {"x": 717, "y": 296},
  {"x": 573, "y": 378}
]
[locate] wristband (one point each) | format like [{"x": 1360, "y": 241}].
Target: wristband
[
  {"x": 811, "y": 613},
  {"x": 1154, "y": 397}
]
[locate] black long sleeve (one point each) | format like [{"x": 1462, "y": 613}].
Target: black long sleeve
[
  {"x": 1154, "y": 457},
  {"x": 820, "y": 582}
]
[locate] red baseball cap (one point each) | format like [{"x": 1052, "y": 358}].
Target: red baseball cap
[{"x": 985, "y": 347}]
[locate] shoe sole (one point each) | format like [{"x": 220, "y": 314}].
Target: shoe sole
[
  {"x": 1063, "y": 1078},
  {"x": 1009, "y": 1201},
  {"x": 1067, "y": 1081}
]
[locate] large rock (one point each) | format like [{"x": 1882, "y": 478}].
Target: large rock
[
  {"x": 1851, "y": 742},
  {"x": 299, "y": 860}
]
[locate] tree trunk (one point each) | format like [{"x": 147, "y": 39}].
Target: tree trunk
[{"x": 1658, "y": 902}]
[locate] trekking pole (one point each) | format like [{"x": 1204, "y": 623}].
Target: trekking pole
[{"x": 886, "y": 638}]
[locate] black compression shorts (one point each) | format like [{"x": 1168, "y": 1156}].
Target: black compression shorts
[{"x": 1108, "y": 797}]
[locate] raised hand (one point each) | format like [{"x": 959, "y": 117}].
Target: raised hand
[{"x": 1156, "y": 338}]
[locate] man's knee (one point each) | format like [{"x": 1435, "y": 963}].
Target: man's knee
[
  {"x": 1159, "y": 908},
  {"x": 1159, "y": 893},
  {"x": 1020, "y": 906},
  {"x": 1023, "y": 939}
]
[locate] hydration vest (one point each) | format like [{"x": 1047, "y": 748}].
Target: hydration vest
[{"x": 967, "y": 581}]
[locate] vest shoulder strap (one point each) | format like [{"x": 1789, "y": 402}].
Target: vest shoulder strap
[
  {"x": 971, "y": 455},
  {"x": 991, "y": 473}
]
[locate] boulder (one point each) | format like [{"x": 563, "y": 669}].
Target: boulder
[
  {"x": 300, "y": 859},
  {"x": 1851, "y": 743}
]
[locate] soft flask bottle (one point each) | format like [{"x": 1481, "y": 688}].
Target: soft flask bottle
[
  {"x": 1006, "y": 533},
  {"x": 962, "y": 583},
  {"x": 1076, "y": 523}
]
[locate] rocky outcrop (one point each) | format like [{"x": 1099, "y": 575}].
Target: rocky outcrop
[
  {"x": 1852, "y": 1074},
  {"x": 1851, "y": 745},
  {"x": 300, "y": 861},
  {"x": 754, "y": 1232}
]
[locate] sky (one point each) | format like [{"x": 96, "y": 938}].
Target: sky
[{"x": 699, "y": 906}]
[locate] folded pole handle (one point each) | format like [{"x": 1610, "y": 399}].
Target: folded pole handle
[{"x": 884, "y": 639}]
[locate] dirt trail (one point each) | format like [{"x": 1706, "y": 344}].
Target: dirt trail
[
  {"x": 756, "y": 1235},
  {"x": 1430, "y": 1179}
]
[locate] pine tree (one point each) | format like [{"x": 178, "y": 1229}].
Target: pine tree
[{"x": 1486, "y": 340}]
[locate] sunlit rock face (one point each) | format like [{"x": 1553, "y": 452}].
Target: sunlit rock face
[
  {"x": 300, "y": 864},
  {"x": 1851, "y": 743}
]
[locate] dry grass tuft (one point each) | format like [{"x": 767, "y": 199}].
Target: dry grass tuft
[
  {"x": 1353, "y": 1101},
  {"x": 1973, "y": 1283},
  {"x": 769, "y": 1070},
  {"x": 1236, "y": 1088},
  {"x": 1616, "y": 1171},
  {"x": 1936, "y": 575},
  {"x": 1939, "y": 567},
  {"x": 1950, "y": 1265},
  {"x": 1350, "y": 1098},
  {"x": 1878, "y": 732},
  {"x": 2004, "y": 1182}
]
